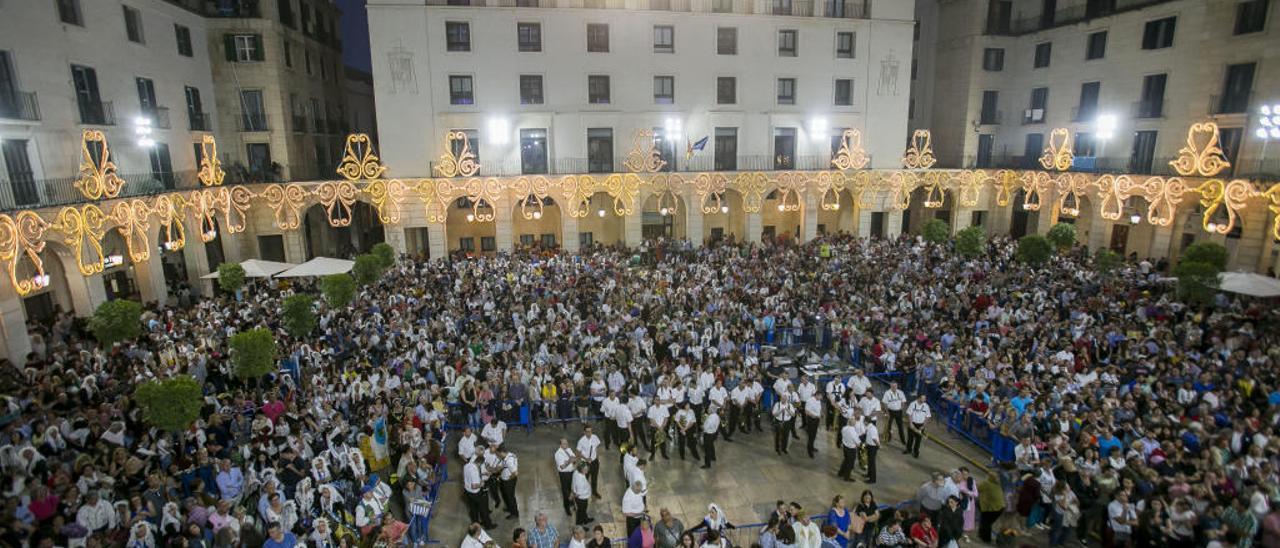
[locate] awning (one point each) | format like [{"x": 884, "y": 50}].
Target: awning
[
  {"x": 256, "y": 268},
  {"x": 1248, "y": 283},
  {"x": 319, "y": 266}
]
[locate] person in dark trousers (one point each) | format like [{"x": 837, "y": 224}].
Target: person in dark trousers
[
  {"x": 812, "y": 420},
  {"x": 566, "y": 461},
  {"x": 918, "y": 414},
  {"x": 474, "y": 496},
  {"x": 581, "y": 494},
  {"x": 710, "y": 428},
  {"x": 990, "y": 505},
  {"x": 687, "y": 431},
  {"x": 950, "y": 522},
  {"x": 783, "y": 416},
  {"x": 872, "y": 445}
]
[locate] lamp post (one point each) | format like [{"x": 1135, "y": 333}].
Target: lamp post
[{"x": 1268, "y": 129}]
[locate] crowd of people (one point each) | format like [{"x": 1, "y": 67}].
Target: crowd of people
[{"x": 1140, "y": 420}]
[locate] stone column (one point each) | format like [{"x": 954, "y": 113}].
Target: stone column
[
  {"x": 437, "y": 244},
  {"x": 809, "y": 217},
  {"x": 892, "y": 223},
  {"x": 149, "y": 276},
  {"x": 864, "y": 222},
  {"x": 13, "y": 326},
  {"x": 197, "y": 259},
  {"x": 569, "y": 232},
  {"x": 1161, "y": 239},
  {"x": 231, "y": 246},
  {"x": 394, "y": 236},
  {"x": 693, "y": 229},
  {"x": 961, "y": 218},
  {"x": 755, "y": 227},
  {"x": 1253, "y": 238},
  {"x": 295, "y": 246},
  {"x": 504, "y": 228},
  {"x": 632, "y": 229}
]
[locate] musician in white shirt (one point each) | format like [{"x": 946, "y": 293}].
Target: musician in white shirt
[
  {"x": 687, "y": 431},
  {"x": 467, "y": 444},
  {"x": 871, "y": 441},
  {"x": 633, "y": 506},
  {"x": 894, "y": 399},
  {"x": 473, "y": 493},
  {"x": 582, "y": 492},
  {"x": 589, "y": 451},
  {"x": 566, "y": 460},
  {"x": 507, "y": 475},
  {"x": 851, "y": 442},
  {"x": 784, "y": 414},
  {"x": 710, "y": 428},
  {"x": 812, "y": 419},
  {"x": 658, "y": 415},
  {"x": 476, "y": 537},
  {"x": 495, "y": 432},
  {"x": 835, "y": 396},
  {"x": 918, "y": 413}
]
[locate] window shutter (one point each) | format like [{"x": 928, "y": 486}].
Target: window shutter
[
  {"x": 229, "y": 44},
  {"x": 259, "y": 52}
]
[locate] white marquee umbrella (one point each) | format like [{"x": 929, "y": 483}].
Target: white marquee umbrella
[
  {"x": 1248, "y": 283},
  {"x": 257, "y": 268},
  {"x": 319, "y": 266}
]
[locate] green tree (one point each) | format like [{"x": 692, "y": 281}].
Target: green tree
[
  {"x": 253, "y": 353},
  {"x": 338, "y": 289},
  {"x": 1206, "y": 252},
  {"x": 1062, "y": 236},
  {"x": 1107, "y": 261},
  {"x": 367, "y": 269},
  {"x": 230, "y": 277},
  {"x": 936, "y": 231},
  {"x": 970, "y": 241},
  {"x": 385, "y": 254},
  {"x": 170, "y": 404},
  {"x": 1033, "y": 249},
  {"x": 1197, "y": 281},
  {"x": 298, "y": 317},
  {"x": 115, "y": 321}
]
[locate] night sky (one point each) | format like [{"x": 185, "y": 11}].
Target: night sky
[{"x": 355, "y": 34}]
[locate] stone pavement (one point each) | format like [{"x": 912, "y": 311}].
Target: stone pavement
[{"x": 746, "y": 481}]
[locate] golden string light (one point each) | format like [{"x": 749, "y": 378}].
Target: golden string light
[
  {"x": 850, "y": 155},
  {"x": 1057, "y": 154},
  {"x": 462, "y": 164},
  {"x": 920, "y": 154},
  {"x": 98, "y": 178},
  {"x": 1202, "y": 156},
  {"x": 644, "y": 156},
  {"x": 359, "y": 162}
]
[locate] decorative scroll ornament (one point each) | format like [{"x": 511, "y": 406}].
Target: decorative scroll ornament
[
  {"x": 710, "y": 188},
  {"x": 1202, "y": 156},
  {"x": 623, "y": 188},
  {"x": 752, "y": 186},
  {"x": 829, "y": 186},
  {"x": 790, "y": 187},
  {"x": 1034, "y": 185},
  {"x": 434, "y": 195},
  {"x": 663, "y": 188},
  {"x": 386, "y": 197},
  {"x": 205, "y": 205},
  {"x": 1163, "y": 196},
  {"x": 210, "y": 173},
  {"x": 98, "y": 178},
  {"x": 1006, "y": 180},
  {"x": 286, "y": 201},
  {"x": 359, "y": 161},
  {"x": 850, "y": 155},
  {"x": 533, "y": 192},
  {"x": 859, "y": 184},
  {"x": 1070, "y": 187},
  {"x": 969, "y": 186},
  {"x": 82, "y": 231},
  {"x": 1230, "y": 196},
  {"x": 1273, "y": 198},
  {"x": 935, "y": 194},
  {"x": 920, "y": 154},
  {"x": 461, "y": 165},
  {"x": 337, "y": 197},
  {"x": 1113, "y": 193},
  {"x": 236, "y": 208},
  {"x": 577, "y": 190},
  {"x": 1057, "y": 153},
  {"x": 901, "y": 185},
  {"x": 168, "y": 209},
  {"x": 644, "y": 156},
  {"x": 483, "y": 195},
  {"x": 23, "y": 238},
  {"x": 131, "y": 216}
]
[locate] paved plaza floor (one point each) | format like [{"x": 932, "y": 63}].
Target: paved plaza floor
[{"x": 746, "y": 481}]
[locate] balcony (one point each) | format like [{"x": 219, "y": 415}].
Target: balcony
[
  {"x": 97, "y": 113},
  {"x": 21, "y": 105},
  {"x": 299, "y": 123},
  {"x": 800, "y": 8},
  {"x": 991, "y": 117},
  {"x": 199, "y": 121},
  {"x": 256, "y": 121},
  {"x": 318, "y": 125},
  {"x": 852, "y": 9},
  {"x": 246, "y": 9},
  {"x": 1147, "y": 109},
  {"x": 335, "y": 126},
  {"x": 1033, "y": 116},
  {"x": 1063, "y": 17},
  {"x": 28, "y": 193},
  {"x": 840, "y": 9},
  {"x": 1237, "y": 103},
  {"x": 159, "y": 116},
  {"x": 1086, "y": 114}
]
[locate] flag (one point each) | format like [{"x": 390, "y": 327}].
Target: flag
[{"x": 693, "y": 147}]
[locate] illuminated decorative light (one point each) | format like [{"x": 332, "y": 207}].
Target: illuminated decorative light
[
  {"x": 818, "y": 128},
  {"x": 1275, "y": 120},
  {"x": 1261, "y": 133},
  {"x": 210, "y": 234},
  {"x": 1275, "y": 133},
  {"x": 111, "y": 261},
  {"x": 644, "y": 156},
  {"x": 850, "y": 155},
  {"x": 835, "y": 205},
  {"x": 1135, "y": 218},
  {"x": 724, "y": 209},
  {"x": 1211, "y": 227},
  {"x": 1202, "y": 156},
  {"x": 1057, "y": 153},
  {"x": 1106, "y": 126},
  {"x": 1266, "y": 110},
  {"x": 40, "y": 281},
  {"x": 781, "y": 207},
  {"x": 471, "y": 218},
  {"x": 1071, "y": 211},
  {"x": 1265, "y": 121},
  {"x": 537, "y": 215},
  {"x": 663, "y": 211},
  {"x": 920, "y": 154},
  {"x": 462, "y": 164},
  {"x": 600, "y": 213},
  {"x": 498, "y": 130}
]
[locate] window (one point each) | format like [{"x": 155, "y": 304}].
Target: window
[
  {"x": 664, "y": 39},
  {"x": 727, "y": 41},
  {"x": 526, "y": 240},
  {"x": 915, "y": 65},
  {"x": 786, "y": 91},
  {"x": 253, "y": 115},
  {"x": 726, "y": 152},
  {"x": 467, "y": 244},
  {"x": 1236, "y": 88},
  {"x": 1097, "y": 46},
  {"x": 784, "y": 148},
  {"x": 529, "y": 36},
  {"x": 242, "y": 48},
  {"x": 285, "y": 8},
  {"x": 1043, "y": 51},
  {"x": 1031, "y": 149},
  {"x": 664, "y": 90},
  {"x": 457, "y": 36},
  {"x": 585, "y": 239},
  {"x": 1088, "y": 106},
  {"x": 530, "y": 89},
  {"x": 161, "y": 164},
  {"x": 548, "y": 240},
  {"x": 488, "y": 243},
  {"x": 993, "y": 59},
  {"x": 844, "y": 45},
  {"x": 1085, "y": 145},
  {"x": 1251, "y": 16},
  {"x": 288, "y": 53},
  {"x": 69, "y": 12},
  {"x": 598, "y": 38},
  {"x": 844, "y": 92},
  {"x": 183, "y": 35},
  {"x": 461, "y": 91},
  {"x": 726, "y": 90},
  {"x": 147, "y": 97},
  {"x": 473, "y": 140},
  {"x": 1144, "y": 151},
  {"x": 1039, "y": 101},
  {"x": 1159, "y": 33},
  {"x": 133, "y": 24},
  {"x": 533, "y": 151},
  {"x": 600, "y": 150},
  {"x": 788, "y": 43},
  {"x": 306, "y": 56},
  {"x": 1152, "y": 104},
  {"x": 21, "y": 176},
  {"x": 990, "y": 103},
  {"x": 598, "y": 89},
  {"x": 195, "y": 110},
  {"x": 92, "y": 110}
]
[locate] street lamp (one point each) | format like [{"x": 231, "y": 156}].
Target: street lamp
[{"x": 1268, "y": 129}]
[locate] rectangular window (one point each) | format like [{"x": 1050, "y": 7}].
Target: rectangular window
[
  {"x": 993, "y": 59},
  {"x": 1236, "y": 87},
  {"x": 1031, "y": 149},
  {"x": 1084, "y": 145},
  {"x": 598, "y": 89},
  {"x": 288, "y": 53},
  {"x": 1144, "y": 151},
  {"x": 585, "y": 240},
  {"x": 549, "y": 240},
  {"x": 600, "y": 150},
  {"x": 133, "y": 24},
  {"x": 161, "y": 165},
  {"x": 727, "y": 41},
  {"x": 467, "y": 244},
  {"x": 990, "y": 107},
  {"x": 1039, "y": 102},
  {"x": 461, "y": 90},
  {"x": 1159, "y": 33},
  {"x": 844, "y": 45},
  {"x": 92, "y": 110},
  {"x": 195, "y": 110},
  {"x": 1088, "y": 106},
  {"x": 533, "y": 151},
  {"x": 788, "y": 43},
  {"x": 285, "y": 7},
  {"x": 786, "y": 91},
  {"x": 147, "y": 97},
  {"x": 530, "y": 89},
  {"x": 598, "y": 38},
  {"x": 21, "y": 175},
  {"x": 664, "y": 90},
  {"x": 726, "y": 152},
  {"x": 529, "y": 36},
  {"x": 1152, "y": 103},
  {"x": 1251, "y": 16},
  {"x": 69, "y": 12},
  {"x": 253, "y": 115},
  {"x": 844, "y": 92},
  {"x": 242, "y": 48},
  {"x": 784, "y": 148},
  {"x": 457, "y": 36},
  {"x": 488, "y": 243},
  {"x": 183, "y": 36},
  {"x": 306, "y": 57},
  {"x": 1097, "y": 45},
  {"x": 664, "y": 39},
  {"x": 526, "y": 240},
  {"x": 726, "y": 90},
  {"x": 1043, "y": 52}
]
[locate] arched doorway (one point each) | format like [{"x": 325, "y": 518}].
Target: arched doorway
[
  {"x": 359, "y": 236},
  {"x": 470, "y": 228},
  {"x": 601, "y": 225},
  {"x": 536, "y": 223},
  {"x": 782, "y": 215},
  {"x": 729, "y": 221},
  {"x": 841, "y": 219},
  {"x": 1020, "y": 219},
  {"x": 117, "y": 277},
  {"x": 54, "y": 295},
  {"x": 664, "y": 216}
]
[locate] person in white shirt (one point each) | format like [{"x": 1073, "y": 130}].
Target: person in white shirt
[
  {"x": 738, "y": 418},
  {"x": 894, "y": 400},
  {"x": 589, "y": 451},
  {"x": 687, "y": 431},
  {"x": 807, "y": 533},
  {"x": 608, "y": 408},
  {"x": 710, "y": 428},
  {"x": 1025, "y": 455},
  {"x": 507, "y": 481},
  {"x": 806, "y": 387},
  {"x": 719, "y": 397},
  {"x": 1122, "y": 516},
  {"x": 851, "y": 443},
  {"x": 495, "y": 432},
  {"x": 858, "y": 383},
  {"x": 812, "y": 418},
  {"x": 658, "y": 415},
  {"x": 476, "y": 537},
  {"x": 870, "y": 406},
  {"x": 784, "y": 415},
  {"x": 96, "y": 515},
  {"x": 566, "y": 460},
  {"x": 633, "y": 506},
  {"x": 622, "y": 417},
  {"x": 753, "y": 411},
  {"x": 918, "y": 413},
  {"x": 473, "y": 493},
  {"x": 872, "y": 445},
  {"x": 835, "y": 395},
  {"x": 467, "y": 444},
  {"x": 582, "y": 492}
]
